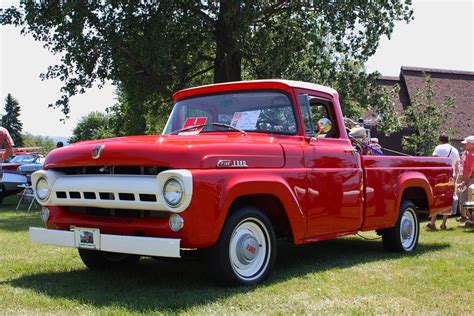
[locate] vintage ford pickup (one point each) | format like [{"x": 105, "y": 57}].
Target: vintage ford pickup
[{"x": 238, "y": 166}]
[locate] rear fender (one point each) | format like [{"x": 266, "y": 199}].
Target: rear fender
[{"x": 410, "y": 180}]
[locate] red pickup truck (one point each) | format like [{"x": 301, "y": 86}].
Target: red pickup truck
[{"x": 238, "y": 166}]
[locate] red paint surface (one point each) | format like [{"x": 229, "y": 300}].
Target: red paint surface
[
  {"x": 9, "y": 166},
  {"x": 326, "y": 191}
]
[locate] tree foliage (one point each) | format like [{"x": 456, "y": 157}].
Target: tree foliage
[
  {"x": 11, "y": 119},
  {"x": 95, "y": 125},
  {"x": 153, "y": 48},
  {"x": 389, "y": 120},
  {"x": 46, "y": 143},
  {"x": 428, "y": 120}
]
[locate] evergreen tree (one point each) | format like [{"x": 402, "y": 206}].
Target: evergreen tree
[{"x": 11, "y": 119}]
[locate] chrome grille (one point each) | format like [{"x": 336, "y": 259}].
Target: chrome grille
[{"x": 100, "y": 170}]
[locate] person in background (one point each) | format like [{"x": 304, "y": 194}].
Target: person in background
[
  {"x": 467, "y": 177},
  {"x": 444, "y": 149},
  {"x": 59, "y": 144},
  {"x": 6, "y": 143},
  {"x": 375, "y": 148}
]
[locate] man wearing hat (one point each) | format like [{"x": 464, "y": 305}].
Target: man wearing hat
[
  {"x": 374, "y": 147},
  {"x": 467, "y": 176}
]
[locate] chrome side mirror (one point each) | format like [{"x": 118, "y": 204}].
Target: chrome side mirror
[{"x": 324, "y": 125}]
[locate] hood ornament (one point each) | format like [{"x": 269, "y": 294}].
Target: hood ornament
[{"x": 97, "y": 151}]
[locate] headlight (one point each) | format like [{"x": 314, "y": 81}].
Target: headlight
[
  {"x": 173, "y": 192},
  {"x": 42, "y": 189}
]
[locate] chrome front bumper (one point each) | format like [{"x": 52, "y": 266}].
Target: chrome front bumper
[{"x": 145, "y": 246}]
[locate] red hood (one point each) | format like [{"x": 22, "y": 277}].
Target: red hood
[
  {"x": 9, "y": 166},
  {"x": 174, "y": 151}
]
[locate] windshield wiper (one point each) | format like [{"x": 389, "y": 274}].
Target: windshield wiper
[
  {"x": 201, "y": 125},
  {"x": 187, "y": 128},
  {"x": 230, "y": 126}
]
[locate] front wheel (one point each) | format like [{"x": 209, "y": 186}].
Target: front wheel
[
  {"x": 100, "y": 260},
  {"x": 246, "y": 250},
  {"x": 404, "y": 236}
]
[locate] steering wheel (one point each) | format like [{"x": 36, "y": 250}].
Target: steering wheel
[{"x": 264, "y": 125}]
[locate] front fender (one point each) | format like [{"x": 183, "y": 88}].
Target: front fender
[{"x": 275, "y": 185}]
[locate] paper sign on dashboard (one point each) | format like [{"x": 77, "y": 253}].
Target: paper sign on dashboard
[{"x": 245, "y": 120}]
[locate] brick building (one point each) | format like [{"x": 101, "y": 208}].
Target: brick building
[{"x": 458, "y": 84}]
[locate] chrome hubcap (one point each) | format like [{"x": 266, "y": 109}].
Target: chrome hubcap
[
  {"x": 249, "y": 251},
  {"x": 408, "y": 229}
]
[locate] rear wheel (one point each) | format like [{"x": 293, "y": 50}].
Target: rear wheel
[
  {"x": 99, "y": 260},
  {"x": 246, "y": 250},
  {"x": 404, "y": 236}
]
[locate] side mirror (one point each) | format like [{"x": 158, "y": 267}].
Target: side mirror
[{"x": 324, "y": 125}]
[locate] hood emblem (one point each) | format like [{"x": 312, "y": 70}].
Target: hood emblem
[
  {"x": 232, "y": 164},
  {"x": 97, "y": 151}
]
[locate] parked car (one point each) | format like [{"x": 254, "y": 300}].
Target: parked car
[
  {"x": 20, "y": 159},
  {"x": 239, "y": 166},
  {"x": 29, "y": 168},
  {"x": 10, "y": 181}
]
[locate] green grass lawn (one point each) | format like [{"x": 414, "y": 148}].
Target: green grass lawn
[{"x": 346, "y": 275}]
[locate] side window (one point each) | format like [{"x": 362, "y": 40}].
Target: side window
[
  {"x": 314, "y": 109},
  {"x": 303, "y": 100}
]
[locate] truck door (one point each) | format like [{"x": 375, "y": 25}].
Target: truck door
[{"x": 335, "y": 188}]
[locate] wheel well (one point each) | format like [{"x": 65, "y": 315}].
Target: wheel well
[
  {"x": 271, "y": 206},
  {"x": 418, "y": 196}
]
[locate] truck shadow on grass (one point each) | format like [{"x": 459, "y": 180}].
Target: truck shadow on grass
[{"x": 178, "y": 286}]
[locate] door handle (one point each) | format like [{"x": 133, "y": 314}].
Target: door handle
[{"x": 350, "y": 150}]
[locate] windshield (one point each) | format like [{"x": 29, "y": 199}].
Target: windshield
[
  {"x": 23, "y": 159},
  {"x": 261, "y": 111}
]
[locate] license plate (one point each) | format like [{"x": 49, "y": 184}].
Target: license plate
[{"x": 87, "y": 238}]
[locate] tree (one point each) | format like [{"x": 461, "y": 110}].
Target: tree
[
  {"x": 94, "y": 125},
  {"x": 428, "y": 120},
  {"x": 46, "y": 143},
  {"x": 11, "y": 121},
  {"x": 153, "y": 48}
]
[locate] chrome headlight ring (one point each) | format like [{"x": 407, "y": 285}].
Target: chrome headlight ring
[
  {"x": 42, "y": 189},
  {"x": 173, "y": 192}
]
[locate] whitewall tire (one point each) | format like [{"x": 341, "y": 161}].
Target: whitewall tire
[{"x": 246, "y": 250}]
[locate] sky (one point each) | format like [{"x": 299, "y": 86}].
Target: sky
[{"x": 441, "y": 36}]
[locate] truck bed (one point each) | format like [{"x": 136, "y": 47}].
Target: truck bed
[{"x": 385, "y": 177}]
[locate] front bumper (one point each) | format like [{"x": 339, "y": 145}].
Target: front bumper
[{"x": 145, "y": 246}]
